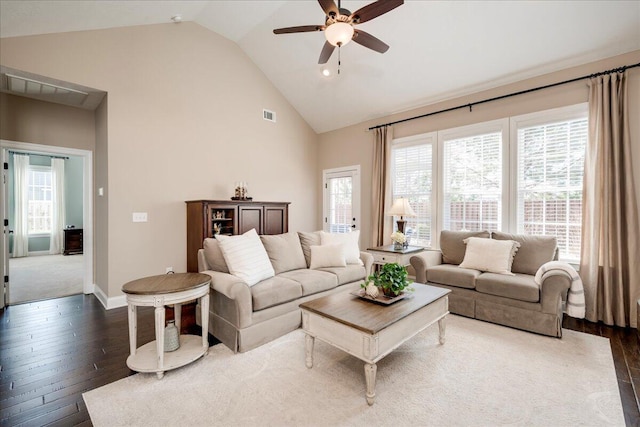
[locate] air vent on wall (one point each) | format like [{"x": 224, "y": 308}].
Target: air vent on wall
[{"x": 269, "y": 115}]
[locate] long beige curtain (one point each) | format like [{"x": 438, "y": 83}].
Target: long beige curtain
[
  {"x": 379, "y": 187},
  {"x": 610, "y": 260}
]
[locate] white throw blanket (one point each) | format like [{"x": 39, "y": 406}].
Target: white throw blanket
[{"x": 575, "y": 298}]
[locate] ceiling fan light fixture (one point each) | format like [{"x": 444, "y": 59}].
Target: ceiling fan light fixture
[{"x": 339, "y": 33}]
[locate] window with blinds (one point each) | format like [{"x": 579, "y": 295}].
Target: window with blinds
[
  {"x": 472, "y": 183},
  {"x": 412, "y": 178},
  {"x": 550, "y": 166}
]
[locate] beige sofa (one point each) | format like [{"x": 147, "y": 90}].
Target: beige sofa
[
  {"x": 244, "y": 317},
  {"x": 511, "y": 300}
]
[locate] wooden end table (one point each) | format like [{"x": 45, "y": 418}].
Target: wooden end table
[
  {"x": 387, "y": 254},
  {"x": 158, "y": 291}
]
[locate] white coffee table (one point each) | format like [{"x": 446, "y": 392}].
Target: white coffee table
[
  {"x": 158, "y": 291},
  {"x": 370, "y": 331}
]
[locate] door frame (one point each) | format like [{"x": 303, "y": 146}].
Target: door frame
[
  {"x": 354, "y": 173},
  {"x": 88, "y": 286}
]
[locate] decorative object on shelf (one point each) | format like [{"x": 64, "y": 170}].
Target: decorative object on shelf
[
  {"x": 217, "y": 228},
  {"x": 391, "y": 279},
  {"x": 241, "y": 192},
  {"x": 171, "y": 337},
  {"x": 399, "y": 240},
  {"x": 401, "y": 208},
  {"x": 219, "y": 215}
]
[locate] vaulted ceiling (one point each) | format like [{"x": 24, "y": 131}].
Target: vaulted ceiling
[{"x": 438, "y": 49}]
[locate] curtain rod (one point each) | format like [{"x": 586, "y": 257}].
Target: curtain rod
[
  {"x": 471, "y": 104},
  {"x": 36, "y": 154}
]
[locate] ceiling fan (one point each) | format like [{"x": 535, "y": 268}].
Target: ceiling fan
[{"x": 339, "y": 26}]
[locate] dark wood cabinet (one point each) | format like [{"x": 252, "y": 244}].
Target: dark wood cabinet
[
  {"x": 206, "y": 218},
  {"x": 72, "y": 241}
]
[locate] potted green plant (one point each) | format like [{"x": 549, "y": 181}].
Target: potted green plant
[{"x": 391, "y": 279}]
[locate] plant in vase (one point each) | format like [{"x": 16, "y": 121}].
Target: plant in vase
[
  {"x": 391, "y": 279},
  {"x": 399, "y": 239}
]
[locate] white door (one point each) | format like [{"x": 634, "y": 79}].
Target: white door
[
  {"x": 341, "y": 206},
  {"x": 4, "y": 247}
]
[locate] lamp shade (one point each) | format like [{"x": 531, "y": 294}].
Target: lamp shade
[
  {"x": 339, "y": 33},
  {"x": 401, "y": 207}
]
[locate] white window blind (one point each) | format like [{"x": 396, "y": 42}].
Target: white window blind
[
  {"x": 472, "y": 183},
  {"x": 39, "y": 200},
  {"x": 412, "y": 178},
  {"x": 549, "y": 181}
]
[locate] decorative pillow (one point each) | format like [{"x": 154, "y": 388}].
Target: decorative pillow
[
  {"x": 246, "y": 257},
  {"x": 533, "y": 253},
  {"x": 327, "y": 256},
  {"x": 495, "y": 256},
  {"x": 284, "y": 251},
  {"x": 307, "y": 239},
  {"x": 350, "y": 242},
  {"x": 452, "y": 244},
  {"x": 213, "y": 255}
]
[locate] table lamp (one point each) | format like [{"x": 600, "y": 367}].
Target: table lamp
[{"x": 401, "y": 208}]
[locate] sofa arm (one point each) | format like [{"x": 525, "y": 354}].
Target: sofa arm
[
  {"x": 553, "y": 289},
  {"x": 425, "y": 259},
  {"x": 231, "y": 298},
  {"x": 367, "y": 260}
]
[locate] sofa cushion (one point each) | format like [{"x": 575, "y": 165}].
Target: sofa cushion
[
  {"x": 327, "y": 256},
  {"x": 285, "y": 251},
  {"x": 308, "y": 239},
  {"x": 533, "y": 252},
  {"x": 312, "y": 281},
  {"x": 348, "y": 274},
  {"x": 521, "y": 286},
  {"x": 452, "y": 275},
  {"x": 495, "y": 256},
  {"x": 452, "y": 244},
  {"x": 213, "y": 255},
  {"x": 246, "y": 257},
  {"x": 350, "y": 242},
  {"x": 274, "y": 291}
]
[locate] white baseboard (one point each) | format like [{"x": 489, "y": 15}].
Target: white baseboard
[{"x": 109, "y": 303}]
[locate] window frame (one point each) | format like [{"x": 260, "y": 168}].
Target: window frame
[{"x": 39, "y": 168}]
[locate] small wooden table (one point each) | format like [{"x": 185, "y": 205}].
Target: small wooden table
[
  {"x": 370, "y": 331},
  {"x": 158, "y": 291},
  {"x": 388, "y": 254}
]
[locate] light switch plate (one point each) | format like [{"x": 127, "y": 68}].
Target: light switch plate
[{"x": 139, "y": 217}]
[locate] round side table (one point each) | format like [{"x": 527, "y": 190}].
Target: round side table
[{"x": 158, "y": 291}]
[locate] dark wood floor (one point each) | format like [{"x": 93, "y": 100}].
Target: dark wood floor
[{"x": 53, "y": 351}]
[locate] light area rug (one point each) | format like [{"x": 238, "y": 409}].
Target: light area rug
[
  {"x": 483, "y": 375},
  {"x": 41, "y": 277}
]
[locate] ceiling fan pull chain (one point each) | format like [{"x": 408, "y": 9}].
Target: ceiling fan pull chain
[{"x": 338, "y": 60}]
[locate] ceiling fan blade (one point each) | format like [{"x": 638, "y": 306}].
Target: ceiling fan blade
[
  {"x": 300, "y": 29},
  {"x": 373, "y": 10},
  {"x": 367, "y": 40},
  {"x": 326, "y": 52},
  {"x": 329, "y": 7}
]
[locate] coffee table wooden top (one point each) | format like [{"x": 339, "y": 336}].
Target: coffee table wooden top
[
  {"x": 368, "y": 316},
  {"x": 166, "y": 283}
]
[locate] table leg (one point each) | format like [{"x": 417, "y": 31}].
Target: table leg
[
  {"x": 370, "y": 370},
  {"x": 133, "y": 328},
  {"x": 308, "y": 350},
  {"x": 177, "y": 316},
  {"x": 442, "y": 325},
  {"x": 204, "y": 315},
  {"x": 160, "y": 339}
]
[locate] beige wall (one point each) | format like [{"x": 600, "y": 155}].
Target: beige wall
[
  {"x": 353, "y": 145},
  {"x": 184, "y": 121}
]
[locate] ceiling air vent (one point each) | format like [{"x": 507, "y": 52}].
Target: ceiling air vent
[{"x": 269, "y": 115}]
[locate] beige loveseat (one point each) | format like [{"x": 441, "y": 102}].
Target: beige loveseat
[
  {"x": 244, "y": 317},
  {"x": 511, "y": 300}
]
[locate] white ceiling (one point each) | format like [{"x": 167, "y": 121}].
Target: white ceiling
[{"x": 439, "y": 49}]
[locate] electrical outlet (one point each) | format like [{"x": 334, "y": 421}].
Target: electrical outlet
[{"x": 169, "y": 270}]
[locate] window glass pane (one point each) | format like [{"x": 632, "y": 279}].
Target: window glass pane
[
  {"x": 340, "y": 204},
  {"x": 412, "y": 179},
  {"x": 39, "y": 201},
  {"x": 472, "y": 174},
  {"x": 550, "y": 169}
]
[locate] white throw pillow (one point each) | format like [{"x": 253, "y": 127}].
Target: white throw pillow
[
  {"x": 327, "y": 256},
  {"x": 246, "y": 257},
  {"x": 350, "y": 242},
  {"x": 495, "y": 256}
]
